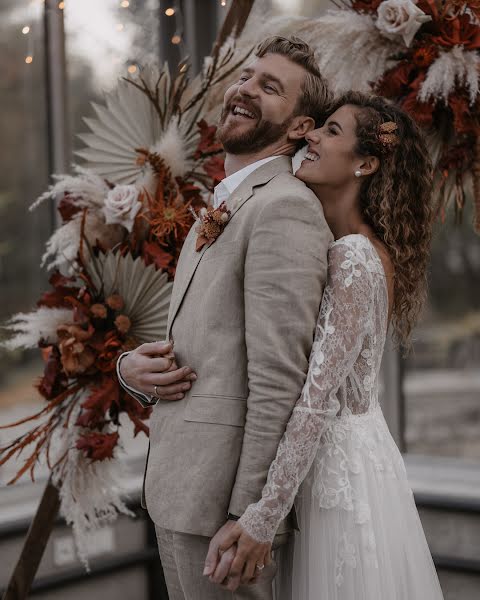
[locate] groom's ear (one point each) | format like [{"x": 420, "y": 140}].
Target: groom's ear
[{"x": 300, "y": 126}]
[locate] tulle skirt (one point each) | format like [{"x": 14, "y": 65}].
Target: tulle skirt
[{"x": 360, "y": 534}]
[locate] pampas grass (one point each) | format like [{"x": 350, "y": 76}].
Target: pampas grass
[
  {"x": 455, "y": 67},
  {"x": 30, "y": 328}
]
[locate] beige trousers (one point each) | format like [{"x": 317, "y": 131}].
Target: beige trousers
[{"x": 183, "y": 560}]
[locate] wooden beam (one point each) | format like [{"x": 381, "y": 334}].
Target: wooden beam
[{"x": 34, "y": 545}]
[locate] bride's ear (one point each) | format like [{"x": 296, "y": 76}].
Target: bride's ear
[
  {"x": 300, "y": 126},
  {"x": 369, "y": 165}
]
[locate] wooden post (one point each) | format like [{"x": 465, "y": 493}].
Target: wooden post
[{"x": 34, "y": 546}]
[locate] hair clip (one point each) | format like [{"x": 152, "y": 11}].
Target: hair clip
[{"x": 387, "y": 136}]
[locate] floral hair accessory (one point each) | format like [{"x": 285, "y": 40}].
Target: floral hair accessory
[
  {"x": 387, "y": 136},
  {"x": 211, "y": 223}
]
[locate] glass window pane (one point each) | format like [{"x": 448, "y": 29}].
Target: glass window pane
[
  {"x": 105, "y": 40},
  {"x": 442, "y": 380},
  {"x": 24, "y": 169}
]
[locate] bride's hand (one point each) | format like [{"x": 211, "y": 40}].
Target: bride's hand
[{"x": 250, "y": 558}]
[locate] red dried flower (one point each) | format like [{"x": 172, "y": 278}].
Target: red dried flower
[
  {"x": 98, "y": 446},
  {"x": 153, "y": 253},
  {"x": 99, "y": 402},
  {"x": 209, "y": 143},
  {"x": 460, "y": 30},
  {"x": 463, "y": 116},
  {"x": 215, "y": 168},
  {"x": 366, "y": 5},
  {"x": 395, "y": 82},
  {"x": 108, "y": 350}
]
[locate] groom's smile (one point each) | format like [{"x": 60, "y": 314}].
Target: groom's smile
[{"x": 259, "y": 107}]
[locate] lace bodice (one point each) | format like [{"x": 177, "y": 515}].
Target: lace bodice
[{"x": 342, "y": 377}]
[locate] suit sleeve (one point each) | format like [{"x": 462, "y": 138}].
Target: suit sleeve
[{"x": 285, "y": 273}]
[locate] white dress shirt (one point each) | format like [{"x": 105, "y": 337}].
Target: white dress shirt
[{"x": 225, "y": 188}]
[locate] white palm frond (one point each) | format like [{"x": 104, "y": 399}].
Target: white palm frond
[
  {"x": 146, "y": 292},
  {"x": 146, "y": 111}
]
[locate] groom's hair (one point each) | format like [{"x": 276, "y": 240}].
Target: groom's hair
[{"x": 316, "y": 97}]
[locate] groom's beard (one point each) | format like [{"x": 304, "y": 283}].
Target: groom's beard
[{"x": 263, "y": 134}]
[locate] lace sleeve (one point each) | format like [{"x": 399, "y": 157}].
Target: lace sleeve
[{"x": 338, "y": 341}]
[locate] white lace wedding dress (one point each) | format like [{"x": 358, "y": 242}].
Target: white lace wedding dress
[{"x": 360, "y": 534}]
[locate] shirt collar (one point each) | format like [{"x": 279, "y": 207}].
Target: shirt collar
[{"x": 226, "y": 187}]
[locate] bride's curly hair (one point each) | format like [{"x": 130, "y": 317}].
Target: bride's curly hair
[{"x": 397, "y": 200}]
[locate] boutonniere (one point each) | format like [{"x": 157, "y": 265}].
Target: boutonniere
[{"x": 210, "y": 224}]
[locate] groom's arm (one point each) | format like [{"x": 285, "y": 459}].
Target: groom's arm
[{"x": 285, "y": 273}]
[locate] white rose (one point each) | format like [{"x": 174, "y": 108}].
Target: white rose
[
  {"x": 122, "y": 206},
  {"x": 400, "y": 18}
]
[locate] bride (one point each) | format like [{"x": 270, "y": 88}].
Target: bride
[{"x": 360, "y": 534}]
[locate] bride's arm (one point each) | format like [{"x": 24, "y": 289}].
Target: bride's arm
[
  {"x": 338, "y": 342},
  {"x": 346, "y": 306}
]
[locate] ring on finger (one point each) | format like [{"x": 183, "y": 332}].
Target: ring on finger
[
  {"x": 155, "y": 389},
  {"x": 260, "y": 567}
]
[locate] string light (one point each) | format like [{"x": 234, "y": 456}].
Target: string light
[
  {"x": 28, "y": 59},
  {"x": 25, "y": 30},
  {"x": 61, "y": 5},
  {"x": 170, "y": 12},
  {"x": 223, "y": 3},
  {"x": 132, "y": 69},
  {"x": 119, "y": 26},
  {"x": 176, "y": 39},
  {"x": 125, "y": 4}
]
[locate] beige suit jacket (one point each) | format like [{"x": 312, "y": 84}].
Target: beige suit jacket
[{"x": 242, "y": 315}]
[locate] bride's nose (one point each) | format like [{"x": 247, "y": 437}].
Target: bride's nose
[{"x": 313, "y": 136}]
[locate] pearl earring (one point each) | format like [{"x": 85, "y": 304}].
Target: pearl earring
[{"x": 358, "y": 173}]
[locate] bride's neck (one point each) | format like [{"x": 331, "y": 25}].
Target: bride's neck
[{"x": 342, "y": 212}]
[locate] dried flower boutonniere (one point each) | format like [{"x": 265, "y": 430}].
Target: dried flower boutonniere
[{"x": 211, "y": 222}]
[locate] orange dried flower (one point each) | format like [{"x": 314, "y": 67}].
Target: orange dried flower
[
  {"x": 115, "y": 302},
  {"x": 123, "y": 323},
  {"x": 425, "y": 55},
  {"x": 167, "y": 213},
  {"x": 99, "y": 311},
  {"x": 76, "y": 358}
]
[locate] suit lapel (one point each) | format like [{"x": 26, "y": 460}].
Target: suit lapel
[
  {"x": 261, "y": 176},
  {"x": 192, "y": 258}
]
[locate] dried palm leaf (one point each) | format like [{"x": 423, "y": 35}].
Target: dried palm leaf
[{"x": 146, "y": 292}]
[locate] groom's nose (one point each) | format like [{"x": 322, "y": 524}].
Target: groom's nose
[{"x": 248, "y": 88}]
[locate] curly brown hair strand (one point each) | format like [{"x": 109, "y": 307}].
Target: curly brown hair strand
[{"x": 397, "y": 201}]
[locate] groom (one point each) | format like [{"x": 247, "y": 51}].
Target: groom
[{"x": 242, "y": 316}]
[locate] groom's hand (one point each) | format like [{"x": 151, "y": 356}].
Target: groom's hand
[
  {"x": 233, "y": 557},
  {"x": 221, "y": 553},
  {"x": 153, "y": 364}
]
